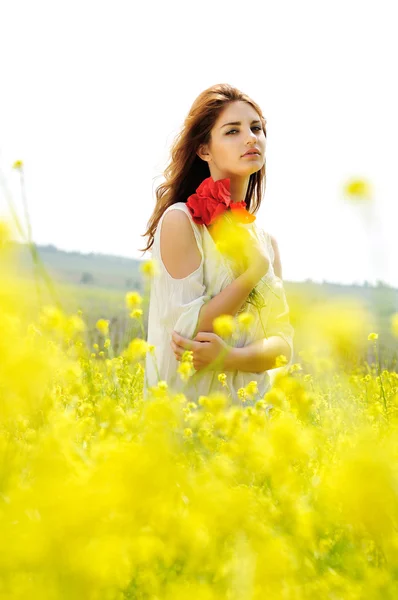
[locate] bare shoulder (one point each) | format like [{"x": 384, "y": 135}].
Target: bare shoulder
[
  {"x": 178, "y": 247},
  {"x": 277, "y": 259}
]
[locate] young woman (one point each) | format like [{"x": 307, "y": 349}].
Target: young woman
[{"x": 217, "y": 169}]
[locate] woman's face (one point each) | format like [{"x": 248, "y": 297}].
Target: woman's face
[{"x": 229, "y": 142}]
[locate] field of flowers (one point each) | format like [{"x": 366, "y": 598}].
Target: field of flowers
[{"x": 104, "y": 496}]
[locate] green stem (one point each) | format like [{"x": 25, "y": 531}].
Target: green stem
[{"x": 379, "y": 374}]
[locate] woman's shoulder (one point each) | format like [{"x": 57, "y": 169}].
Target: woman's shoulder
[
  {"x": 183, "y": 207},
  {"x": 178, "y": 206}
]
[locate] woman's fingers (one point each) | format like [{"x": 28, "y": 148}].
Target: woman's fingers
[{"x": 177, "y": 350}]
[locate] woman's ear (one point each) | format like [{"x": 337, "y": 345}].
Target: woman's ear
[{"x": 203, "y": 152}]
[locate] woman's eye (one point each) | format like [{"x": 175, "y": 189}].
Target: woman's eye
[{"x": 255, "y": 127}]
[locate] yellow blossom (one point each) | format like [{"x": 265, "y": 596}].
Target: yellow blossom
[
  {"x": 185, "y": 370},
  {"x": 136, "y": 350},
  {"x": 149, "y": 268},
  {"x": 222, "y": 378},
  {"x": 251, "y": 388},
  {"x": 187, "y": 356},
  {"x": 242, "y": 394},
  {"x": 52, "y": 317},
  {"x": 136, "y": 313},
  {"x": 224, "y": 325},
  {"x": 358, "y": 189},
  {"x": 107, "y": 343},
  {"x": 75, "y": 325},
  {"x": 18, "y": 164},
  {"x": 103, "y": 326},
  {"x": 373, "y": 336},
  {"x": 281, "y": 360},
  {"x": 133, "y": 299},
  {"x": 245, "y": 319}
]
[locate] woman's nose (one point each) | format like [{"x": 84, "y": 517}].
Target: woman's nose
[{"x": 252, "y": 136}]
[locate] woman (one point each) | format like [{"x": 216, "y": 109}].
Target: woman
[{"x": 217, "y": 171}]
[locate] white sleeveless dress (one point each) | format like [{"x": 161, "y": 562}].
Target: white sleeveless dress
[{"x": 174, "y": 304}]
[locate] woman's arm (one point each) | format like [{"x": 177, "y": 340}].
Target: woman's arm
[
  {"x": 229, "y": 300},
  {"x": 258, "y": 356},
  {"x": 261, "y": 355}
]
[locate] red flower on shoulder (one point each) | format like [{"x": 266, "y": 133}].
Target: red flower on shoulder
[{"x": 212, "y": 199}]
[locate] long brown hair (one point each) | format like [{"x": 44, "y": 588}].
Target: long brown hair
[{"x": 186, "y": 169}]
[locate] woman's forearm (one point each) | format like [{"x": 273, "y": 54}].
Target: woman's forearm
[
  {"x": 257, "y": 357},
  {"x": 228, "y": 301}
]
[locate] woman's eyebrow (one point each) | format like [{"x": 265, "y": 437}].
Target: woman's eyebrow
[{"x": 239, "y": 123}]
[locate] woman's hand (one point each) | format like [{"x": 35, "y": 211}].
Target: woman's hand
[{"x": 208, "y": 349}]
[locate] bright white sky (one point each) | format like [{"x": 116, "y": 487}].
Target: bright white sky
[{"x": 93, "y": 94}]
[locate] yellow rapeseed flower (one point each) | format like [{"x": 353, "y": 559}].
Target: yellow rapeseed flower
[
  {"x": 103, "y": 326},
  {"x": 18, "y": 164},
  {"x": 133, "y": 299},
  {"x": 232, "y": 240},
  {"x": 52, "y": 317},
  {"x": 222, "y": 378},
  {"x": 187, "y": 355},
  {"x": 136, "y": 313},
  {"x": 136, "y": 350},
  {"x": 75, "y": 325},
  {"x": 185, "y": 370},
  {"x": 245, "y": 320},
  {"x": 281, "y": 360},
  {"x": 149, "y": 268},
  {"x": 251, "y": 388},
  {"x": 358, "y": 189},
  {"x": 242, "y": 394},
  {"x": 224, "y": 325},
  {"x": 107, "y": 343},
  {"x": 373, "y": 336}
]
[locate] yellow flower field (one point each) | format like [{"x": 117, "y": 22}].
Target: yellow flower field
[{"x": 104, "y": 496}]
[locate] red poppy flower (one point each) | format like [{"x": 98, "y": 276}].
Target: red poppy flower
[{"x": 212, "y": 199}]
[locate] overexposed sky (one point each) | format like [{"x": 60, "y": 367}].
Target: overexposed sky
[{"x": 93, "y": 93}]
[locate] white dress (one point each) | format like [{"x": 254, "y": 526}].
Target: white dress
[{"x": 174, "y": 304}]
